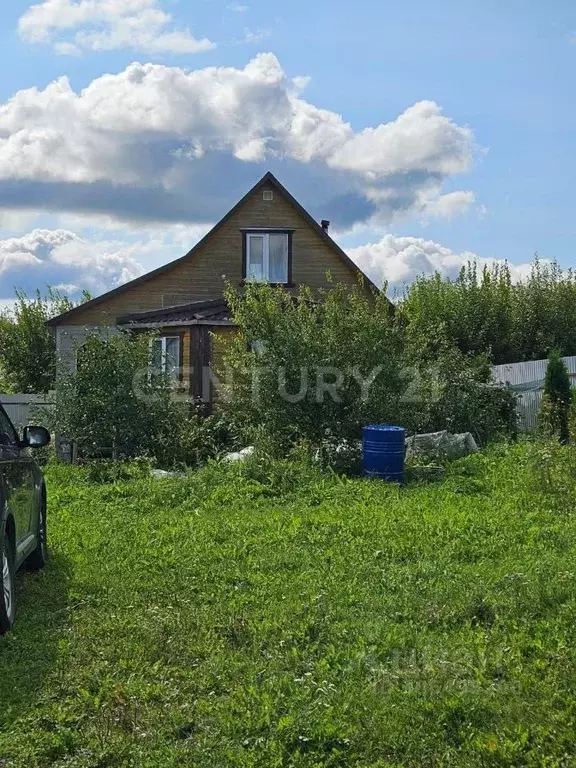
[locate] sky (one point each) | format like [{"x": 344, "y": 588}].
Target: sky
[{"x": 427, "y": 133}]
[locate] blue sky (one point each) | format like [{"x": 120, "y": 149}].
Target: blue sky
[{"x": 426, "y": 132}]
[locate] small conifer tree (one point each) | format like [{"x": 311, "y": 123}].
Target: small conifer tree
[{"x": 557, "y": 396}]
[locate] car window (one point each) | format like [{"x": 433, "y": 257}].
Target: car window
[{"x": 8, "y": 435}]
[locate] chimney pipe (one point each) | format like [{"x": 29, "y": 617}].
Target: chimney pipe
[{"x": 325, "y": 224}]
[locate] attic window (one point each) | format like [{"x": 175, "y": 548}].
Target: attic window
[
  {"x": 268, "y": 194},
  {"x": 267, "y": 256}
]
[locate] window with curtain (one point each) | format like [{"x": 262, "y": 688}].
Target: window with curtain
[
  {"x": 165, "y": 355},
  {"x": 267, "y": 255}
]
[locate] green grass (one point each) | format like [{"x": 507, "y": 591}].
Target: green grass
[{"x": 268, "y": 615}]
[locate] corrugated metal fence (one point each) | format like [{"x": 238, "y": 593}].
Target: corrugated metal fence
[
  {"x": 21, "y": 408},
  {"x": 527, "y": 380}
]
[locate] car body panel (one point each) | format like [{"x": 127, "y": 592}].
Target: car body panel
[{"x": 21, "y": 495}]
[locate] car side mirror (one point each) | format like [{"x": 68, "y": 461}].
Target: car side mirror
[{"x": 36, "y": 437}]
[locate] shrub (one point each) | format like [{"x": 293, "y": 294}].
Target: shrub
[
  {"x": 198, "y": 437},
  {"x": 107, "y": 471},
  {"x": 467, "y": 400},
  {"x": 557, "y": 399},
  {"x": 315, "y": 367},
  {"x": 277, "y": 390},
  {"x": 112, "y": 407}
]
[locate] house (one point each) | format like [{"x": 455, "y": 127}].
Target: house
[{"x": 267, "y": 236}]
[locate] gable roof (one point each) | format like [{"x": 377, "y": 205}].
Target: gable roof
[{"x": 268, "y": 178}]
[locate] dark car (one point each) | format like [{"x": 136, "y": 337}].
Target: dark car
[{"x": 22, "y": 510}]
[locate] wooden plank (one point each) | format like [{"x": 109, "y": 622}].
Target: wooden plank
[{"x": 200, "y": 353}]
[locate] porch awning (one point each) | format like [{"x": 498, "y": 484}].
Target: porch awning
[{"x": 204, "y": 312}]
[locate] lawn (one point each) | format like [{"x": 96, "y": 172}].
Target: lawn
[{"x": 269, "y": 615}]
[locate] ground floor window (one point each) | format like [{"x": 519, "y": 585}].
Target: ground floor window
[{"x": 165, "y": 355}]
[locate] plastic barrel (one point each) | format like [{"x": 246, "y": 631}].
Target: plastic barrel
[{"x": 383, "y": 452}]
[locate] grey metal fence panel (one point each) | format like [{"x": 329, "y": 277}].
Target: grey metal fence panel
[
  {"x": 21, "y": 408},
  {"x": 527, "y": 380}
]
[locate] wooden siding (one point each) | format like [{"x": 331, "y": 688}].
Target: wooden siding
[
  {"x": 220, "y": 338},
  {"x": 201, "y": 276}
]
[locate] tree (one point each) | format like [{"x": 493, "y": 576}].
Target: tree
[
  {"x": 483, "y": 311},
  {"x": 27, "y": 346},
  {"x": 557, "y": 396}
]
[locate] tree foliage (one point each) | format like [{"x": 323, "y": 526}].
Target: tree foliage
[
  {"x": 299, "y": 364},
  {"x": 288, "y": 348},
  {"x": 484, "y": 311},
  {"x": 557, "y": 398},
  {"x": 27, "y": 346},
  {"x": 114, "y": 405}
]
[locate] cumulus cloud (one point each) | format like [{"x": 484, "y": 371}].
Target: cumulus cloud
[
  {"x": 399, "y": 260},
  {"x": 167, "y": 144},
  {"x": 63, "y": 259},
  {"x": 449, "y": 205},
  {"x": 7, "y": 305},
  {"x": 104, "y": 25}
]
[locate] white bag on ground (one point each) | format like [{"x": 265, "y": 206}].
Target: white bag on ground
[
  {"x": 239, "y": 455},
  {"x": 441, "y": 445}
]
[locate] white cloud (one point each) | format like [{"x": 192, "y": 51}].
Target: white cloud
[
  {"x": 255, "y": 35},
  {"x": 7, "y": 305},
  {"x": 104, "y": 25},
  {"x": 399, "y": 260},
  {"x": 237, "y": 7},
  {"x": 164, "y": 143},
  {"x": 61, "y": 258},
  {"x": 421, "y": 137},
  {"x": 449, "y": 205}
]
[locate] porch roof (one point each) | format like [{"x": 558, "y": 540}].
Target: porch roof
[{"x": 204, "y": 312}]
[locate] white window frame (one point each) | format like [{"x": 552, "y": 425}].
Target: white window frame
[
  {"x": 163, "y": 360},
  {"x": 266, "y": 255}
]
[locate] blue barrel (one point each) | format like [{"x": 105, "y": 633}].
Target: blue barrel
[{"x": 383, "y": 452}]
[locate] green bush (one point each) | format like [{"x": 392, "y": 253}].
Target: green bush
[
  {"x": 197, "y": 437},
  {"x": 112, "y": 407},
  {"x": 467, "y": 400},
  {"x": 289, "y": 353},
  {"x": 285, "y": 340},
  {"x": 108, "y": 471}
]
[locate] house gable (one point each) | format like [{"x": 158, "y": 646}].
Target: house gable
[{"x": 201, "y": 274}]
